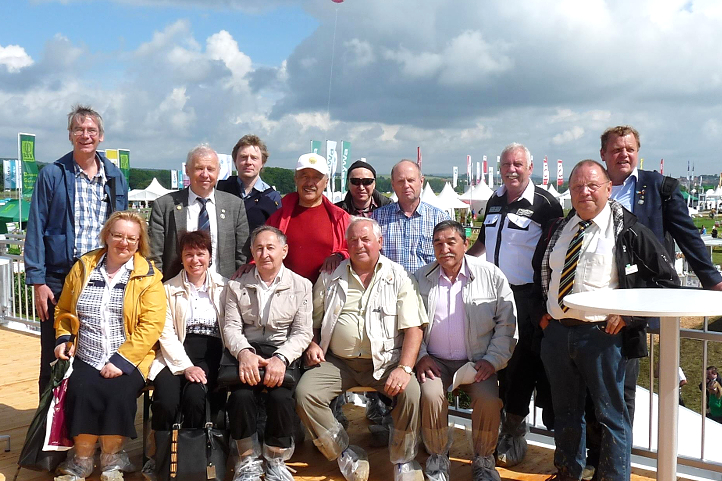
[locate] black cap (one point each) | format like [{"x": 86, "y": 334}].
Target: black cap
[{"x": 361, "y": 163}]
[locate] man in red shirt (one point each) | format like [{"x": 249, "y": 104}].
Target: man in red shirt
[{"x": 315, "y": 228}]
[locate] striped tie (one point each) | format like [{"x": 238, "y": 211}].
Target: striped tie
[
  {"x": 204, "y": 222},
  {"x": 566, "y": 281}
]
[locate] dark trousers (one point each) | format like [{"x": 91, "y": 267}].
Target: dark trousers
[
  {"x": 172, "y": 393},
  {"x": 525, "y": 371},
  {"x": 243, "y": 409},
  {"x": 47, "y": 331}
]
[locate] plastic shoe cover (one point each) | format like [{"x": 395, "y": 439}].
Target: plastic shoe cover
[
  {"x": 376, "y": 409},
  {"x": 437, "y": 467},
  {"x": 75, "y": 468},
  {"x": 116, "y": 462},
  {"x": 276, "y": 469},
  {"x": 410, "y": 471},
  {"x": 354, "y": 464},
  {"x": 510, "y": 450},
  {"x": 514, "y": 425},
  {"x": 249, "y": 466},
  {"x": 333, "y": 442},
  {"x": 482, "y": 469},
  {"x": 588, "y": 473},
  {"x": 403, "y": 446},
  {"x": 112, "y": 475},
  {"x": 336, "y": 406},
  {"x": 148, "y": 470}
]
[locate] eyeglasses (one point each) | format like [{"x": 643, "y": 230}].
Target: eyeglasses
[
  {"x": 91, "y": 132},
  {"x": 592, "y": 187},
  {"x": 359, "y": 181},
  {"x": 131, "y": 240}
]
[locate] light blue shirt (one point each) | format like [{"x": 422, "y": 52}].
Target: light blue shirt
[
  {"x": 260, "y": 186},
  {"x": 624, "y": 194}
]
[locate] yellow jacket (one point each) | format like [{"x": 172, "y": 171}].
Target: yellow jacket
[{"x": 144, "y": 307}]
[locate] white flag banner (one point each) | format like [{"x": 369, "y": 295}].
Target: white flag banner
[
  {"x": 7, "y": 179},
  {"x": 491, "y": 177},
  {"x": 468, "y": 170},
  {"x": 456, "y": 177},
  {"x": 226, "y": 163},
  {"x": 331, "y": 162},
  {"x": 545, "y": 178}
]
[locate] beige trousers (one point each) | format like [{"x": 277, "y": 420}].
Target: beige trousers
[
  {"x": 320, "y": 385},
  {"x": 485, "y": 403}
]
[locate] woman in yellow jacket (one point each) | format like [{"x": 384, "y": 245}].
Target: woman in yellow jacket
[{"x": 118, "y": 296}]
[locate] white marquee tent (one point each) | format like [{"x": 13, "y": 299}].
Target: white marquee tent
[
  {"x": 477, "y": 196},
  {"x": 149, "y": 194}
]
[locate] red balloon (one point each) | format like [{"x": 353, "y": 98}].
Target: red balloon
[{"x": 337, "y": 1}]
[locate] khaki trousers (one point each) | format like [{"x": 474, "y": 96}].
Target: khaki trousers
[
  {"x": 485, "y": 403},
  {"x": 320, "y": 385}
]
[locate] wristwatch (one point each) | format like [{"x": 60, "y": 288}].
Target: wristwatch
[
  {"x": 407, "y": 369},
  {"x": 282, "y": 358}
]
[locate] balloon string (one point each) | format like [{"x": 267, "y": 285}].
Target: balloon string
[{"x": 330, "y": 78}]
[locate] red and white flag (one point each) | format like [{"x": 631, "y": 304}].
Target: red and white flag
[
  {"x": 661, "y": 167},
  {"x": 545, "y": 178},
  {"x": 418, "y": 157},
  {"x": 560, "y": 173}
]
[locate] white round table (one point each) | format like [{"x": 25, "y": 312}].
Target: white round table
[{"x": 669, "y": 304}]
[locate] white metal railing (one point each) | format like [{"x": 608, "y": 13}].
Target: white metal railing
[{"x": 16, "y": 299}]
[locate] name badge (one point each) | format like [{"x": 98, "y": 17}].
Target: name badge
[
  {"x": 525, "y": 212},
  {"x": 630, "y": 269},
  {"x": 496, "y": 208}
]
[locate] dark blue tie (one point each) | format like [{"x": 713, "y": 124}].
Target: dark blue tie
[{"x": 204, "y": 222}]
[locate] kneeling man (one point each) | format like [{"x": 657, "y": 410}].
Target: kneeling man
[
  {"x": 368, "y": 319},
  {"x": 472, "y": 316}
]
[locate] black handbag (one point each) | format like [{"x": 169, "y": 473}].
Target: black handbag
[
  {"x": 192, "y": 454},
  {"x": 228, "y": 369}
]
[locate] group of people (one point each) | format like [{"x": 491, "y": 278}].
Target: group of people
[{"x": 367, "y": 292}]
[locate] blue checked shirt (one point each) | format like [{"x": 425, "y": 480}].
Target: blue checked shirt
[
  {"x": 90, "y": 210},
  {"x": 409, "y": 240}
]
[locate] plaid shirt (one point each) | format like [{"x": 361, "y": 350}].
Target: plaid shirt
[
  {"x": 409, "y": 240},
  {"x": 89, "y": 208}
]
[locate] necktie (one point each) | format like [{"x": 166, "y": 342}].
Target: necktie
[
  {"x": 566, "y": 281},
  {"x": 203, "y": 222}
]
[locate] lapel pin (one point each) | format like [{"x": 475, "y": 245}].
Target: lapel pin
[{"x": 179, "y": 207}]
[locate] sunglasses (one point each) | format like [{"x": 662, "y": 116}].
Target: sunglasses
[{"x": 364, "y": 182}]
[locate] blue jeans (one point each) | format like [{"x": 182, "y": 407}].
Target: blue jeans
[{"x": 577, "y": 358}]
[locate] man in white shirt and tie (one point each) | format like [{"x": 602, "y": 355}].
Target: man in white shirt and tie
[{"x": 199, "y": 207}]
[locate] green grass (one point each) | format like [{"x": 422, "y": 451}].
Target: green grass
[{"x": 691, "y": 363}]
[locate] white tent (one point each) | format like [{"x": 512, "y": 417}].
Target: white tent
[
  {"x": 550, "y": 188},
  {"x": 565, "y": 200},
  {"x": 447, "y": 200},
  {"x": 428, "y": 196},
  {"x": 477, "y": 196},
  {"x": 149, "y": 194}
]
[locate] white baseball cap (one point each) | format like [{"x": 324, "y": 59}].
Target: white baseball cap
[{"x": 312, "y": 161}]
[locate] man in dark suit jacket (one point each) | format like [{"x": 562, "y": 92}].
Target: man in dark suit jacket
[
  {"x": 200, "y": 206},
  {"x": 656, "y": 201}
]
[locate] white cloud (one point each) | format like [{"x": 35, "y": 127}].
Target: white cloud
[
  {"x": 360, "y": 53},
  {"x": 575, "y": 133},
  {"x": 14, "y": 58}
]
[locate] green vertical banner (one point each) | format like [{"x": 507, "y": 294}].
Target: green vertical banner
[
  {"x": 124, "y": 159},
  {"x": 345, "y": 158},
  {"x": 26, "y": 154},
  {"x": 316, "y": 147}
]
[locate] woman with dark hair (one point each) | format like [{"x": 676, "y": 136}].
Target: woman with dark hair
[
  {"x": 117, "y": 295},
  {"x": 186, "y": 366}
]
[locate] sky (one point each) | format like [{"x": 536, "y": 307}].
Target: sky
[{"x": 454, "y": 77}]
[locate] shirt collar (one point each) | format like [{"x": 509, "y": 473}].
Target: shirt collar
[
  {"x": 192, "y": 196},
  {"x": 633, "y": 177},
  {"x": 260, "y": 185},
  {"x": 601, "y": 220},
  {"x": 420, "y": 209},
  {"x": 377, "y": 267},
  {"x": 527, "y": 195},
  {"x": 101, "y": 170},
  {"x": 129, "y": 265},
  {"x": 276, "y": 280},
  {"x": 463, "y": 272},
  {"x": 191, "y": 287}
]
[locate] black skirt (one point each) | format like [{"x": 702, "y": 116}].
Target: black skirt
[{"x": 99, "y": 406}]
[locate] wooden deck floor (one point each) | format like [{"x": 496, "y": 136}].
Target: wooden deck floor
[{"x": 19, "y": 359}]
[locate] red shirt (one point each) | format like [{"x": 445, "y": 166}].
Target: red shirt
[{"x": 310, "y": 241}]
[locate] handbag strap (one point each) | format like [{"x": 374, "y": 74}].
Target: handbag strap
[{"x": 179, "y": 414}]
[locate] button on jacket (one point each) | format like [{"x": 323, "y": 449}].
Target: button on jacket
[
  {"x": 288, "y": 325},
  {"x": 490, "y": 312}
]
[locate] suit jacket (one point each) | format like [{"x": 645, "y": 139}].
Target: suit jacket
[
  {"x": 669, "y": 219},
  {"x": 168, "y": 220}
]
